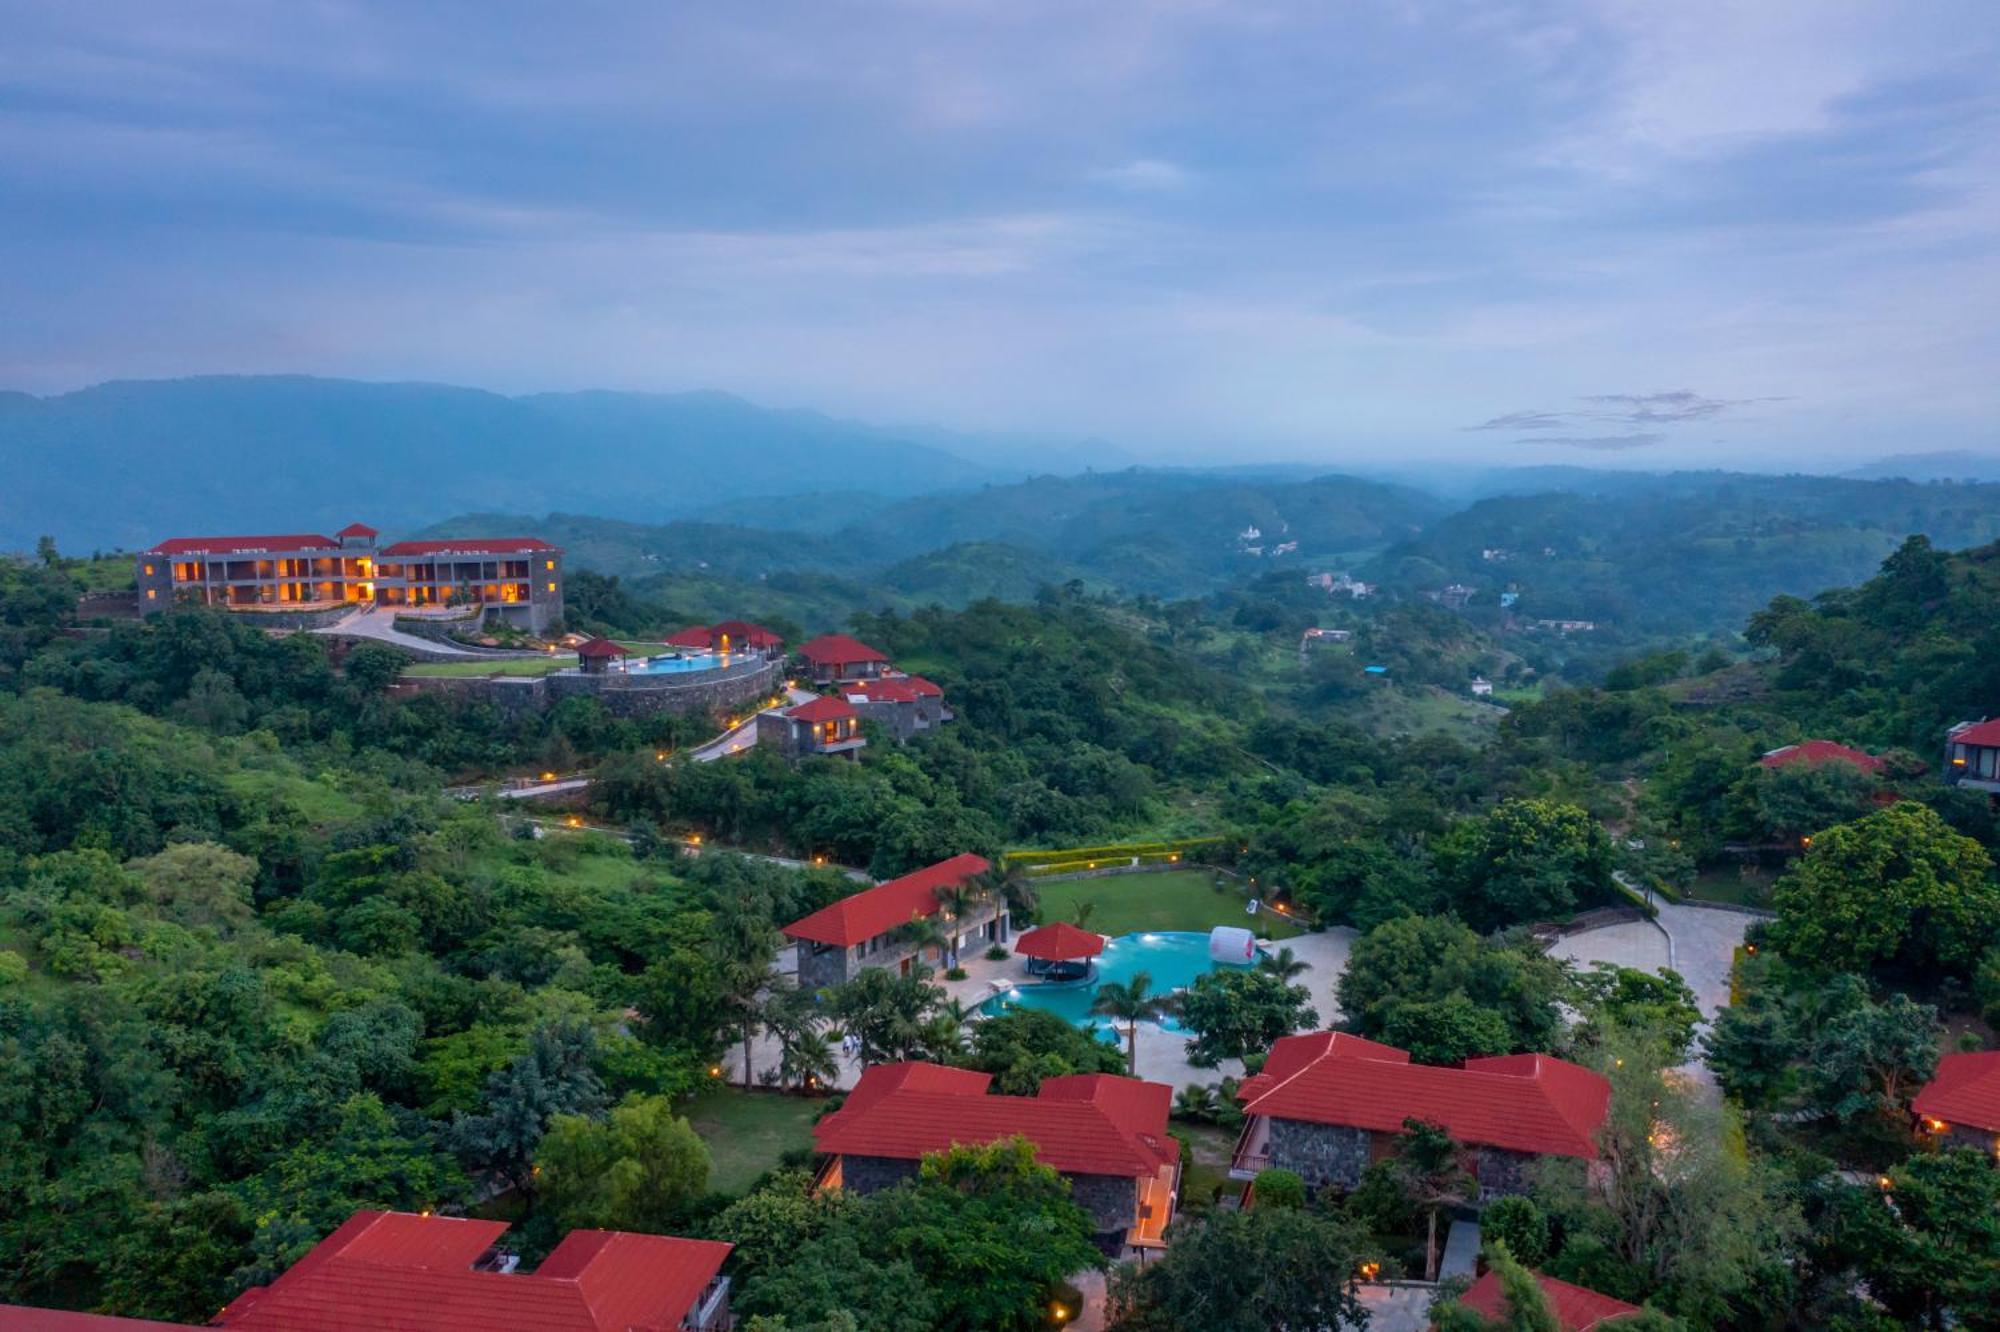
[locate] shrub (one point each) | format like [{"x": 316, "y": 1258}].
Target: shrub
[
  {"x": 997, "y": 954},
  {"x": 1279, "y": 1188},
  {"x": 955, "y": 974},
  {"x": 1519, "y": 1224}
]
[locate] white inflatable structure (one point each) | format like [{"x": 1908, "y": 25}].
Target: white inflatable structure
[{"x": 1232, "y": 943}]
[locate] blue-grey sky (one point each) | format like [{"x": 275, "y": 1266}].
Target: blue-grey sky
[{"x": 1696, "y": 231}]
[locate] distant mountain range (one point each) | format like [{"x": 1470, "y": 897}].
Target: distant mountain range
[
  {"x": 1956, "y": 465},
  {"x": 129, "y": 462}
]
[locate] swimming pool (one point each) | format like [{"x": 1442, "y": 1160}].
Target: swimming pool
[
  {"x": 1173, "y": 958},
  {"x": 697, "y": 661}
]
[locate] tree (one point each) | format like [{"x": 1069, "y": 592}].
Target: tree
[
  {"x": 1246, "y": 1271},
  {"x": 1130, "y": 1002},
  {"x": 1927, "y": 1244},
  {"x": 1427, "y": 1164},
  {"x": 886, "y": 1013},
  {"x": 1284, "y": 964},
  {"x": 1447, "y": 1030},
  {"x": 637, "y": 1170},
  {"x": 1520, "y": 1225},
  {"x": 1896, "y": 890},
  {"x": 553, "y": 1078},
  {"x": 1235, "y": 1013},
  {"x": 1526, "y": 1304},
  {"x": 1279, "y": 1188},
  {"x": 1657, "y": 1001},
  {"x": 1429, "y": 959},
  {"x": 1023, "y": 1046},
  {"x": 1867, "y": 1057},
  {"x": 1528, "y": 860}
]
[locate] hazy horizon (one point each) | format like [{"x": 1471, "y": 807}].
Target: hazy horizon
[{"x": 1210, "y": 234}]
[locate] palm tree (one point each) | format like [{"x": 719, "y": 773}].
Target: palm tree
[
  {"x": 1196, "y": 1101},
  {"x": 807, "y": 1057},
  {"x": 927, "y": 932},
  {"x": 1283, "y": 964},
  {"x": 744, "y": 986},
  {"x": 1080, "y": 914},
  {"x": 1011, "y": 884},
  {"x": 1131, "y": 1003},
  {"x": 956, "y": 901}
]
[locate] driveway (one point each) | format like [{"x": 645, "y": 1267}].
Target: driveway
[{"x": 370, "y": 622}]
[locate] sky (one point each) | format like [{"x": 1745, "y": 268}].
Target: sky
[{"x": 1735, "y": 232}]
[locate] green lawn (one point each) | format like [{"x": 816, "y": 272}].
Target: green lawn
[
  {"x": 747, "y": 1132},
  {"x": 1167, "y": 900},
  {"x": 1732, "y": 886}
]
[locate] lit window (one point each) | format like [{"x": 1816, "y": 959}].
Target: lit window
[
  {"x": 552, "y": 587},
  {"x": 149, "y": 571},
  {"x": 550, "y": 565},
  {"x": 152, "y": 594}
]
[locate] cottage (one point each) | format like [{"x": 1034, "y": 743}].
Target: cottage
[
  {"x": 1813, "y": 753},
  {"x": 1106, "y": 1135},
  {"x": 1576, "y": 1308},
  {"x": 837, "y": 659},
  {"x": 1327, "y": 1103},
  {"x": 1482, "y": 687},
  {"x": 828, "y": 726},
  {"x": 867, "y": 929},
  {"x": 381, "y": 1270},
  {"x": 1961, "y": 1105},
  {"x": 902, "y": 704},
  {"x": 730, "y": 636},
  {"x": 1972, "y": 755},
  {"x": 595, "y": 655}
]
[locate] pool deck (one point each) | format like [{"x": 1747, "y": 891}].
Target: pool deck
[{"x": 1162, "y": 1054}]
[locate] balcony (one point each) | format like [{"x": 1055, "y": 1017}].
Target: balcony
[
  {"x": 1253, "y": 1149},
  {"x": 711, "y": 1311}
]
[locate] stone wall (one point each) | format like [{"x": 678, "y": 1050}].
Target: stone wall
[
  {"x": 1501, "y": 1173},
  {"x": 821, "y": 967},
  {"x": 650, "y": 695},
  {"x": 1111, "y": 1200},
  {"x": 1321, "y": 1154},
  {"x": 867, "y": 1174}
]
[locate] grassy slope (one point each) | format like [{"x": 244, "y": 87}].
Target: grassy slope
[
  {"x": 1168, "y": 900},
  {"x": 747, "y": 1132}
]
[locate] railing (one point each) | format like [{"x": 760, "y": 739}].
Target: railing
[
  {"x": 1252, "y": 1149},
  {"x": 711, "y": 1311}
]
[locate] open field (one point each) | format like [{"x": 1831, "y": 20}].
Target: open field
[
  {"x": 1167, "y": 900},
  {"x": 747, "y": 1132}
]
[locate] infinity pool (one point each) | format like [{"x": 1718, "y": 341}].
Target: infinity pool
[
  {"x": 699, "y": 661},
  {"x": 1172, "y": 958}
]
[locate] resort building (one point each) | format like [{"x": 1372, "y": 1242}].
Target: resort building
[
  {"x": 516, "y": 579},
  {"x": 828, "y": 726},
  {"x": 1106, "y": 1135},
  {"x": 870, "y": 928},
  {"x": 838, "y": 659},
  {"x": 1813, "y": 753},
  {"x": 902, "y": 704},
  {"x": 730, "y": 636},
  {"x": 1961, "y": 1105},
  {"x": 382, "y": 1271},
  {"x": 1576, "y": 1308},
  {"x": 1327, "y": 1103},
  {"x": 1972, "y": 755}
]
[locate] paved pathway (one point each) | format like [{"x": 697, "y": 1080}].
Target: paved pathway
[
  {"x": 740, "y": 737},
  {"x": 380, "y": 625}
]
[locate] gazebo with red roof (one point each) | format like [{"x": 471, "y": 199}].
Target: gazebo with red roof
[
  {"x": 1062, "y": 950},
  {"x": 595, "y": 655},
  {"x": 1961, "y": 1105},
  {"x": 1576, "y": 1308},
  {"x": 1326, "y": 1103},
  {"x": 866, "y": 929},
  {"x": 836, "y": 658},
  {"x": 1106, "y": 1134}
]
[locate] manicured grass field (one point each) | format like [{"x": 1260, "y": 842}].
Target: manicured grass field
[
  {"x": 747, "y": 1132},
  {"x": 553, "y": 661},
  {"x": 1167, "y": 900}
]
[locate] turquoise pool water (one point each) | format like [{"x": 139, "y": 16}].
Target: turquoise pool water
[
  {"x": 1173, "y": 958},
  {"x": 700, "y": 661}
]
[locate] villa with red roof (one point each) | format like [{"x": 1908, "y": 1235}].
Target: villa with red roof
[
  {"x": 514, "y": 579},
  {"x": 1106, "y": 1134},
  {"x": 866, "y": 929},
  {"x": 1576, "y": 1308},
  {"x": 903, "y": 704},
  {"x": 829, "y": 726},
  {"x": 1961, "y": 1105},
  {"x": 1326, "y": 1104},
  {"x": 1813, "y": 753},
  {"x": 1972, "y": 755},
  {"x": 730, "y": 636},
  {"x": 836, "y": 659},
  {"x": 395, "y": 1272}
]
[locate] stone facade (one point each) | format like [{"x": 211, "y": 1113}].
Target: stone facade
[
  {"x": 823, "y": 965},
  {"x": 1111, "y": 1200},
  {"x": 903, "y": 720},
  {"x": 867, "y": 1174},
  {"x": 622, "y": 695},
  {"x": 1501, "y": 1173},
  {"x": 1323, "y": 1155}
]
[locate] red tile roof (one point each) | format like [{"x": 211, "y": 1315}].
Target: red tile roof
[
  {"x": 742, "y": 633},
  {"x": 924, "y": 688},
  {"x": 887, "y": 689},
  {"x": 1083, "y": 1124},
  {"x": 1523, "y": 1103},
  {"x": 822, "y": 710},
  {"x": 357, "y": 530},
  {"x": 1965, "y": 1091},
  {"x": 1060, "y": 942},
  {"x": 602, "y": 647},
  {"x": 471, "y": 546},
  {"x": 1976, "y": 733},
  {"x": 695, "y": 636},
  {"x": 1576, "y": 1309},
  {"x": 393, "y": 1272},
  {"x": 1290, "y": 1054},
  {"x": 21, "y": 1318},
  {"x": 1816, "y": 752},
  {"x": 245, "y": 545},
  {"x": 838, "y": 650},
  {"x": 862, "y": 916}
]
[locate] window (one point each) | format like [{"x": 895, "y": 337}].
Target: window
[
  {"x": 152, "y": 594},
  {"x": 552, "y": 587},
  {"x": 149, "y": 571},
  {"x": 550, "y": 566}
]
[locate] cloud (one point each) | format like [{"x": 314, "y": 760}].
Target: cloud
[
  {"x": 1599, "y": 443},
  {"x": 1145, "y": 173},
  {"x": 1524, "y": 421},
  {"x": 1662, "y": 408}
]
